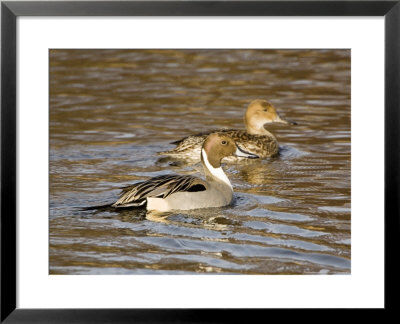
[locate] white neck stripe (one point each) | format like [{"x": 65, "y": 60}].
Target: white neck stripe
[{"x": 216, "y": 172}]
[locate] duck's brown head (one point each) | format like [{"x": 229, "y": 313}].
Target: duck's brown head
[
  {"x": 218, "y": 145},
  {"x": 261, "y": 112}
]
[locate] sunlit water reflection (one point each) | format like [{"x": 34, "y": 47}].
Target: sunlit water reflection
[{"x": 111, "y": 111}]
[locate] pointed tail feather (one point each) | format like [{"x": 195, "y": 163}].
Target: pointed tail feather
[
  {"x": 177, "y": 142},
  {"x": 113, "y": 206},
  {"x": 171, "y": 152},
  {"x": 108, "y": 206}
]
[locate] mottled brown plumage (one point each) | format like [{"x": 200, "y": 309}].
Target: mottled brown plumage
[
  {"x": 262, "y": 145},
  {"x": 255, "y": 139}
]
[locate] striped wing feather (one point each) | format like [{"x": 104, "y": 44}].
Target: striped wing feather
[{"x": 158, "y": 187}]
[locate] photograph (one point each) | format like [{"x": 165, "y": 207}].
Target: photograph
[{"x": 199, "y": 161}]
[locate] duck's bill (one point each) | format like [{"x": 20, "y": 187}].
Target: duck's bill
[
  {"x": 240, "y": 153},
  {"x": 284, "y": 121}
]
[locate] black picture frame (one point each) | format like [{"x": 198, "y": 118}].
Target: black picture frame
[{"x": 10, "y": 10}]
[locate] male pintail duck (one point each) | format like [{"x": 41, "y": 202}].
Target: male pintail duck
[
  {"x": 255, "y": 139},
  {"x": 177, "y": 192}
]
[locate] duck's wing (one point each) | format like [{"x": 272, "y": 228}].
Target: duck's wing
[
  {"x": 158, "y": 187},
  {"x": 202, "y": 136},
  {"x": 261, "y": 145},
  {"x": 190, "y": 146}
]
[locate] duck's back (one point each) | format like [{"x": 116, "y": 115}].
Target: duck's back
[{"x": 262, "y": 145}]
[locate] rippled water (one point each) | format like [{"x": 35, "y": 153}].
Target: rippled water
[{"x": 111, "y": 111}]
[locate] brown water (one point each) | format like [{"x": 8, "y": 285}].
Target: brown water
[{"x": 111, "y": 111}]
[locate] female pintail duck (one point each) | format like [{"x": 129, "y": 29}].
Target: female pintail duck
[
  {"x": 255, "y": 139},
  {"x": 170, "y": 192}
]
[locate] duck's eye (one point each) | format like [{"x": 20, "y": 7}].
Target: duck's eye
[
  {"x": 265, "y": 109},
  {"x": 224, "y": 142}
]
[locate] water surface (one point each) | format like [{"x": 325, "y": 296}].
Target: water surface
[{"x": 111, "y": 111}]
